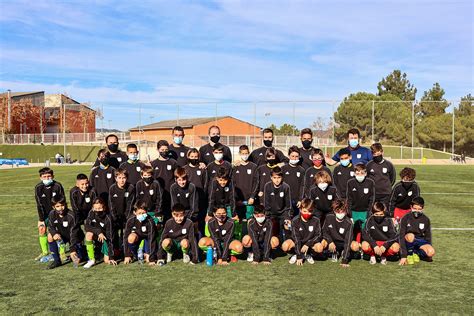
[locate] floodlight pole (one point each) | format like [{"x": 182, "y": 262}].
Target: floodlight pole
[
  {"x": 412, "y": 127},
  {"x": 452, "y": 136},
  {"x": 254, "y": 124},
  {"x": 9, "y": 110},
  {"x": 373, "y": 121},
  {"x": 64, "y": 129}
]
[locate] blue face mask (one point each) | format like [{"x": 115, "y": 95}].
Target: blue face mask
[
  {"x": 178, "y": 140},
  {"x": 141, "y": 217},
  {"x": 47, "y": 182},
  {"x": 345, "y": 162},
  {"x": 353, "y": 143}
]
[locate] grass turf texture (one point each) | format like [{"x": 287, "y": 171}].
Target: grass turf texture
[{"x": 441, "y": 287}]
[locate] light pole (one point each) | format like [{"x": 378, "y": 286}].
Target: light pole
[{"x": 9, "y": 109}]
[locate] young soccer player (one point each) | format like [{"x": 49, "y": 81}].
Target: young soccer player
[
  {"x": 221, "y": 229},
  {"x": 121, "y": 199},
  {"x": 140, "y": 227},
  {"x": 99, "y": 229},
  {"x": 63, "y": 228},
  {"x": 133, "y": 165},
  {"x": 380, "y": 236},
  {"x": 318, "y": 165},
  {"x": 264, "y": 172},
  {"x": 338, "y": 234},
  {"x": 221, "y": 192},
  {"x": 415, "y": 235},
  {"x": 44, "y": 192},
  {"x": 102, "y": 176},
  {"x": 178, "y": 233},
  {"x": 306, "y": 137},
  {"x": 205, "y": 152},
  {"x": 148, "y": 190},
  {"x": 184, "y": 193},
  {"x": 245, "y": 179},
  {"x": 322, "y": 194},
  {"x": 343, "y": 172},
  {"x": 258, "y": 155},
  {"x": 81, "y": 196},
  {"x": 164, "y": 168},
  {"x": 382, "y": 172},
  {"x": 293, "y": 175},
  {"x": 277, "y": 204},
  {"x": 403, "y": 193},
  {"x": 360, "y": 198},
  {"x": 305, "y": 235},
  {"x": 260, "y": 238},
  {"x": 177, "y": 149},
  {"x": 218, "y": 163}
]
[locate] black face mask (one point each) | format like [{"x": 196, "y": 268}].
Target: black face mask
[
  {"x": 417, "y": 214},
  {"x": 148, "y": 180},
  {"x": 101, "y": 214},
  {"x": 221, "y": 218},
  {"x": 113, "y": 147},
  {"x": 268, "y": 143},
  {"x": 105, "y": 161},
  {"x": 271, "y": 161},
  {"x": 407, "y": 185},
  {"x": 379, "y": 219},
  {"x": 194, "y": 162},
  {"x": 307, "y": 144},
  {"x": 378, "y": 159},
  {"x": 164, "y": 154},
  {"x": 215, "y": 139}
]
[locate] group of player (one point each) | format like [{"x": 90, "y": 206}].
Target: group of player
[{"x": 266, "y": 204}]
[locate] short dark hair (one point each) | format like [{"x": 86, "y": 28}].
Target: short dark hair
[
  {"x": 317, "y": 151},
  {"x": 222, "y": 173},
  {"x": 193, "y": 150},
  {"x": 213, "y": 126},
  {"x": 379, "y": 207},
  {"x": 360, "y": 167},
  {"x": 259, "y": 209},
  {"x": 376, "y": 147},
  {"x": 217, "y": 207},
  {"x": 140, "y": 205},
  {"x": 58, "y": 199},
  {"x": 82, "y": 176},
  {"x": 180, "y": 172},
  {"x": 99, "y": 200},
  {"x": 270, "y": 152},
  {"x": 111, "y": 135},
  {"x": 409, "y": 173},
  {"x": 276, "y": 172},
  {"x": 307, "y": 204},
  {"x": 103, "y": 151},
  {"x": 132, "y": 145},
  {"x": 306, "y": 131},
  {"x": 293, "y": 149},
  {"x": 121, "y": 171},
  {"x": 178, "y": 208},
  {"x": 267, "y": 130},
  {"x": 418, "y": 201},
  {"x": 218, "y": 147},
  {"x": 339, "y": 205},
  {"x": 243, "y": 147},
  {"x": 46, "y": 170},
  {"x": 353, "y": 131},
  {"x": 344, "y": 151},
  {"x": 178, "y": 129},
  {"x": 162, "y": 143}
]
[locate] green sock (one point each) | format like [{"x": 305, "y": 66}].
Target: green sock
[
  {"x": 90, "y": 249},
  {"x": 203, "y": 248},
  {"x": 43, "y": 240},
  {"x": 234, "y": 253},
  {"x": 62, "y": 249},
  {"x": 184, "y": 250},
  {"x": 167, "y": 249},
  {"x": 142, "y": 244}
]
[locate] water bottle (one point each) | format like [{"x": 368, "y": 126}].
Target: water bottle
[{"x": 209, "y": 257}]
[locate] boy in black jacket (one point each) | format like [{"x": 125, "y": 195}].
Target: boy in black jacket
[
  {"x": 415, "y": 235},
  {"x": 133, "y": 165},
  {"x": 102, "y": 176},
  {"x": 380, "y": 236},
  {"x": 322, "y": 194},
  {"x": 81, "y": 196},
  {"x": 44, "y": 192},
  {"x": 184, "y": 193},
  {"x": 343, "y": 172},
  {"x": 382, "y": 172},
  {"x": 317, "y": 156},
  {"x": 306, "y": 235},
  {"x": 402, "y": 194},
  {"x": 293, "y": 175},
  {"x": 149, "y": 191}
]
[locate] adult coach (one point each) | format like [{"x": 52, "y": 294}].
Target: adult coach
[
  {"x": 306, "y": 137},
  {"x": 359, "y": 153},
  {"x": 258, "y": 155},
  {"x": 116, "y": 155},
  {"x": 177, "y": 149},
  {"x": 206, "y": 151}
]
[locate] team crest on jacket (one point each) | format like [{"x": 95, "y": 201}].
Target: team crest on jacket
[
  {"x": 385, "y": 229},
  {"x": 422, "y": 226}
]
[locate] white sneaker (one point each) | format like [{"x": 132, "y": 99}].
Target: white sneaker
[
  {"x": 383, "y": 260},
  {"x": 169, "y": 257},
  {"x": 309, "y": 259},
  {"x": 161, "y": 262},
  {"x": 140, "y": 254},
  {"x": 292, "y": 259},
  {"x": 334, "y": 257},
  {"x": 250, "y": 257},
  {"x": 89, "y": 264},
  {"x": 372, "y": 260},
  {"x": 186, "y": 258}
]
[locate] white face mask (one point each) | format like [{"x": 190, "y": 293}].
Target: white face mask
[
  {"x": 133, "y": 157},
  {"x": 294, "y": 161},
  {"x": 260, "y": 219},
  {"x": 218, "y": 156},
  {"x": 360, "y": 178},
  {"x": 244, "y": 157},
  {"x": 340, "y": 215},
  {"x": 323, "y": 186}
]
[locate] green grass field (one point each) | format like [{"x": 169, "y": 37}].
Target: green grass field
[{"x": 442, "y": 287}]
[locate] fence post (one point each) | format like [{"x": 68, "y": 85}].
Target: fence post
[
  {"x": 412, "y": 127},
  {"x": 452, "y": 136},
  {"x": 373, "y": 121},
  {"x": 401, "y": 151}
]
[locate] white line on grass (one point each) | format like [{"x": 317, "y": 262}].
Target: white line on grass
[{"x": 452, "y": 228}]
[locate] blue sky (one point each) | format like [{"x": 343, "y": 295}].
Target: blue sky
[{"x": 119, "y": 54}]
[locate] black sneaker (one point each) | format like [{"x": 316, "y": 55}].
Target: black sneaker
[{"x": 53, "y": 265}]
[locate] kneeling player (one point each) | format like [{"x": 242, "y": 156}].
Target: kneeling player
[
  {"x": 338, "y": 233},
  {"x": 380, "y": 236},
  {"x": 221, "y": 229},
  {"x": 415, "y": 235},
  {"x": 260, "y": 238},
  {"x": 140, "y": 227},
  {"x": 99, "y": 228},
  {"x": 63, "y": 228},
  {"x": 306, "y": 235},
  {"x": 178, "y": 233}
]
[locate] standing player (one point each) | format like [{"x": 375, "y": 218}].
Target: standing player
[
  {"x": 184, "y": 193},
  {"x": 177, "y": 149},
  {"x": 264, "y": 172},
  {"x": 382, "y": 172},
  {"x": 102, "y": 176},
  {"x": 306, "y": 137},
  {"x": 205, "y": 152},
  {"x": 293, "y": 175},
  {"x": 44, "y": 192},
  {"x": 149, "y": 191},
  {"x": 218, "y": 163},
  {"x": 133, "y": 165},
  {"x": 258, "y": 155},
  {"x": 343, "y": 172},
  {"x": 322, "y": 194},
  {"x": 318, "y": 165},
  {"x": 403, "y": 193},
  {"x": 81, "y": 196}
]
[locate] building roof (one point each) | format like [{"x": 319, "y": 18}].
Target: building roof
[
  {"x": 20, "y": 94},
  {"x": 184, "y": 123}
]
